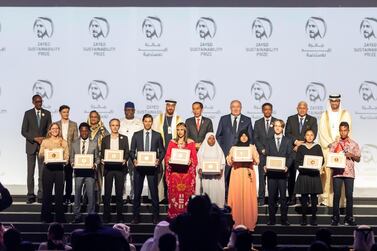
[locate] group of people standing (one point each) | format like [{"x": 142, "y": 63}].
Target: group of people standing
[{"x": 235, "y": 184}]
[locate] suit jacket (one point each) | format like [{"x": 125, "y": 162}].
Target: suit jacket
[
  {"x": 156, "y": 144},
  {"x": 193, "y": 133},
  {"x": 292, "y": 128},
  {"x": 123, "y": 145},
  {"x": 260, "y": 136},
  {"x": 30, "y": 128},
  {"x": 92, "y": 149},
  {"x": 285, "y": 151},
  {"x": 72, "y": 132},
  {"x": 225, "y": 135}
]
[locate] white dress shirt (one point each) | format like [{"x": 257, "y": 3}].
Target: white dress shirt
[
  {"x": 238, "y": 120},
  {"x": 65, "y": 130},
  {"x": 86, "y": 145},
  {"x": 129, "y": 126},
  {"x": 114, "y": 143},
  {"x": 150, "y": 138},
  {"x": 280, "y": 136}
]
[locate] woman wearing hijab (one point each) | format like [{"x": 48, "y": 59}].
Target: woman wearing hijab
[
  {"x": 211, "y": 184},
  {"x": 152, "y": 243},
  {"x": 97, "y": 132},
  {"x": 242, "y": 197},
  {"x": 181, "y": 184},
  {"x": 308, "y": 181}
]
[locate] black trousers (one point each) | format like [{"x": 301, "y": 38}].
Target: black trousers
[
  {"x": 277, "y": 187},
  {"x": 304, "y": 203},
  {"x": 31, "y": 161},
  {"x": 53, "y": 175},
  {"x": 262, "y": 178},
  {"x": 292, "y": 177},
  {"x": 227, "y": 171},
  {"x": 139, "y": 176},
  {"x": 68, "y": 172},
  {"x": 348, "y": 185},
  {"x": 118, "y": 176}
]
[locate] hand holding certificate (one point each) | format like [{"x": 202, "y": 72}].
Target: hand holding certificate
[
  {"x": 211, "y": 167},
  {"x": 180, "y": 156},
  {"x": 242, "y": 154},
  {"x": 312, "y": 162},
  {"x": 275, "y": 164},
  {"x": 336, "y": 160},
  {"x": 113, "y": 156},
  {"x": 54, "y": 156},
  {"x": 83, "y": 161},
  {"x": 146, "y": 159}
]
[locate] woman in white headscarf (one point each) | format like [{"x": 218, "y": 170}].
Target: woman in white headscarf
[
  {"x": 213, "y": 185},
  {"x": 152, "y": 243}
]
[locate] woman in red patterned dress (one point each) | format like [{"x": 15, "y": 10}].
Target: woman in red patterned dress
[{"x": 180, "y": 179}]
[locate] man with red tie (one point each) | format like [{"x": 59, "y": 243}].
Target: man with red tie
[{"x": 198, "y": 126}]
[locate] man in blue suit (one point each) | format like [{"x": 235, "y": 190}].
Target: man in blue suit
[{"x": 227, "y": 132}]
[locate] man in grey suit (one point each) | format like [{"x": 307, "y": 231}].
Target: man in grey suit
[
  {"x": 198, "y": 126},
  {"x": 68, "y": 131},
  {"x": 227, "y": 132},
  {"x": 34, "y": 128},
  {"x": 263, "y": 132},
  {"x": 297, "y": 125},
  {"x": 84, "y": 145}
]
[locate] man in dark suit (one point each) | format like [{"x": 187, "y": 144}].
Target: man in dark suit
[
  {"x": 114, "y": 171},
  {"x": 263, "y": 132},
  {"x": 198, "y": 126},
  {"x": 227, "y": 132},
  {"x": 278, "y": 146},
  {"x": 146, "y": 140},
  {"x": 296, "y": 127},
  {"x": 34, "y": 128}
]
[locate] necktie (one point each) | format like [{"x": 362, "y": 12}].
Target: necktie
[
  {"x": 83, "y": 147},
  {"x": 267, "y": 125},
  {"x": 234, "y": 126},
  {"x": 301, "y": 124},
  {"x": 278, "y": 143},
  {"x": 38, "y": 118},
  {"x": 146, "y": 145},
  {"x": 198, "y": 124}
]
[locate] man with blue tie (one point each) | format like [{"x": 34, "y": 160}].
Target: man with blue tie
[
  {"x": 34, "y": 128},
  {"x": 295, "y": 129},
  {"x": 263, "y": 132},
  {"x": 146, "y": 140},
  {"x": 278, "y": 146},
  {"x": 227, "y": 132}
]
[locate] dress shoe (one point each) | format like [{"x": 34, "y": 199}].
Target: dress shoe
[
  {"x": 334, "y": 221},
  {"x": 285, "y": 223},
  {"x": 292, "y": 201},
  {"x": 30, "y": 201},
  {"x": 135, "y": 220},
  {"x": 304, "y": 221},
  {"x": 349, "y": 221}
]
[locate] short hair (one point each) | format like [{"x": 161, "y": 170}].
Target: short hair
[
  {"x": 167, "y": 242},
  {"x": 57, "y": 230},
  {"x": 147, "y": 115},
  {"x": 267, "y": 104},
  {"x": 282, "y": 123},
  {"x": 84, "y": 124},
  {"x": 62, "y": 107},
  {"x": 36, "y": 96},
  {"x": 345, "y": 124},
  {"x": 236, "y": 101},
  {"x": 198, "y": 103},
  {"x": 114, "y": 119}
]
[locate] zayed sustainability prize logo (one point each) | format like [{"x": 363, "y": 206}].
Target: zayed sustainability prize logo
[
  {"x": 260, "y": 92},
  {"x": 205, "y": 92},
  {"x": 43, "y": 28},
  {"x": 99, "y": 30},
  {"x": 261, "y": 30},
  {"x": 368, "y": 98},
  {"x": 152, "y": 92},
  {"x": 206, "y": 30},
  {"x": 316, "y": 31},
  {"x": 315, "y": 93},
  {"x": 152, "y": 29},
  {"x": 98, "y": 92},
  {"x": 368, "y": 35}
]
